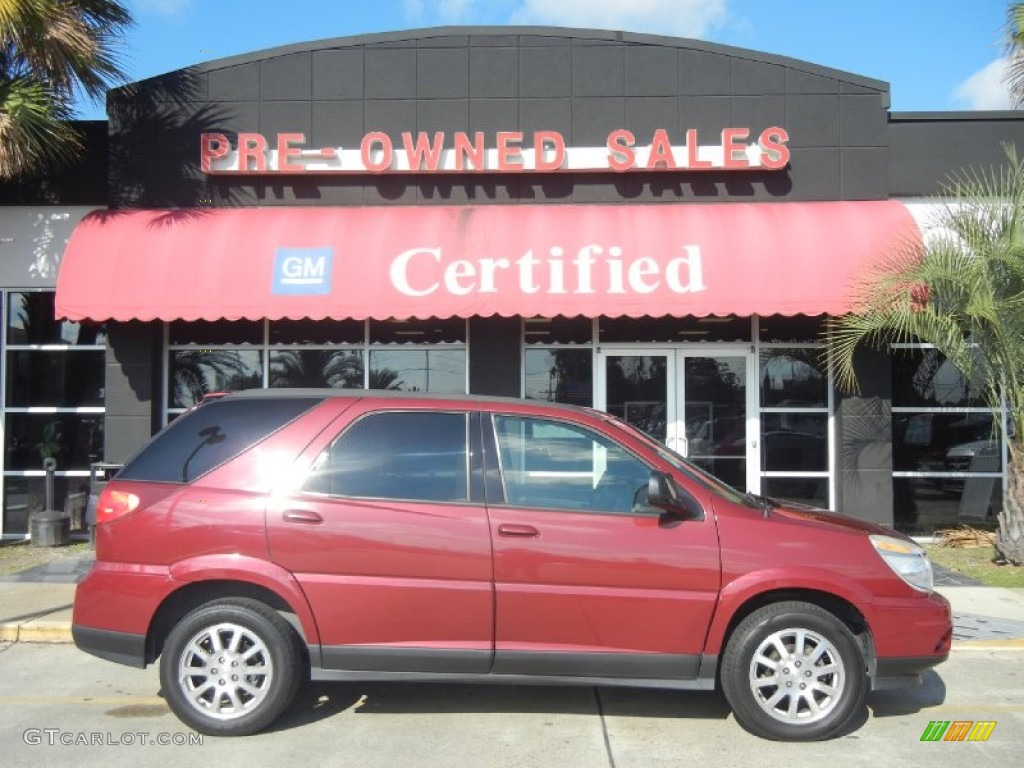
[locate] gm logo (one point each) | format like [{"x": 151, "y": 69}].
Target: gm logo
[{"x": 305, "y": 271}]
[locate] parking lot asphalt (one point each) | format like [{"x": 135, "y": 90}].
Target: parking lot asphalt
[{"x": 64, "y": 708}]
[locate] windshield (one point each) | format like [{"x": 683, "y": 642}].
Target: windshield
[{"x": 692, "y": 471}]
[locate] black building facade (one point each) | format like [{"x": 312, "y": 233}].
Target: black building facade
[{"x": 736, "y": 380}]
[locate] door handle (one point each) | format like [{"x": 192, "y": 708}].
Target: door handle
[
  {"x": 527, "y": 531},
  {"x": 302, "y": 516}
]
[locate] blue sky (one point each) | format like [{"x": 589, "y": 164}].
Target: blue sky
[{"x": 936, "y": 54}]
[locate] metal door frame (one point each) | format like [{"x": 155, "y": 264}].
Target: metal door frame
[{"x": 676, "y": 355}]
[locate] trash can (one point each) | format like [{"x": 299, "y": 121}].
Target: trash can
[{"x": 50, "y": 527}]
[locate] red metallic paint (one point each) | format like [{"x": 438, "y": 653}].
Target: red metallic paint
[{"x": 415, "y": 574}]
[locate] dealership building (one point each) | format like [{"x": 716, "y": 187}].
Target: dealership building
[{"x": 651, "y": 226}]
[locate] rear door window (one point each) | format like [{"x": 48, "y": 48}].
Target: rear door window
[
  {"x": 211, "y": 435},
  {"x": 408, "y": 455}
]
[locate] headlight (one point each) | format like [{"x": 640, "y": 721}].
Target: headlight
[{"x": 907, "y": 559}]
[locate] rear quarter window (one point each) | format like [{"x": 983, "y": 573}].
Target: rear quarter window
[
  {"x": 211, "y": 435},
  {"x": 409, "y": 455}
]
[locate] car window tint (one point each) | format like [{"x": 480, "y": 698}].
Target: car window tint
[
  {"x": 552, "y": 464},
  {"x": 410, "y": 455},
  {"x": 210, "y": 435}
]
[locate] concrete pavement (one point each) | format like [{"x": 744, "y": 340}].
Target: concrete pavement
[{"x": 35, "y": 606}]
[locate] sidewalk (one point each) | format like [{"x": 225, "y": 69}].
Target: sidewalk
[{"x": 35, "y": 606}]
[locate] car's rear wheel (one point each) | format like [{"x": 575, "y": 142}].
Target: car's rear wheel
[
  {"x": 231, "y": 667},
  {"x": 792, "y": 671}
]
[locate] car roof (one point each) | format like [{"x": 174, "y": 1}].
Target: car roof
[{"x": 388, "y": 394}]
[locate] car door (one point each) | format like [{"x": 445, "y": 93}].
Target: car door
[
  {"x": 388, "y": 538},
  {"x": 589, "y": 580}
]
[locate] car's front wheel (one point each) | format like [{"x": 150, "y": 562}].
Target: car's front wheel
[
  {"x": 792, "y": 671},
  {"x": 230, "y": 667}
]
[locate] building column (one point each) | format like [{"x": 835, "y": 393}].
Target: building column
[
  {"x": 495, "y": 356},
  {"x": 132, "y": 387},
  {"x": 864, "y": 441}
]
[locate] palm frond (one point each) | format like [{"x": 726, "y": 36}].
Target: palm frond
[
  {"x": 34, "y": 129},
  {"x": 961, "y": 291}
]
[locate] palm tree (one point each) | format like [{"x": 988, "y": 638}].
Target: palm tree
[
  {"x": 50, "y": 52},
  {"x": 963, "y": 292}
]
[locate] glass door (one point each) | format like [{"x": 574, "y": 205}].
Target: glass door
[{"x": 698, "y": 402}]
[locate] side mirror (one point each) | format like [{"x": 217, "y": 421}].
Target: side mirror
[{"x": 662, "y": 493}]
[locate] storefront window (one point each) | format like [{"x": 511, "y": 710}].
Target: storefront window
[
  {"x": 947, "y": 453},
  {"x": 41, "y": 378},
  {"x": 418, "y": 370},
  {"x": 559, "y": 375},
  {"x": 812, "y": 491},
  {"x": 31, "y": 321},
  {"x": 196, "y": 373},
  {"x": 925, "y": 504},
  {"x": 338, "y": 369},
  {"x": 795, "y": 409},
  {"x": 412, "y": 356},
  {"x": 793, "y": 378},
  {"x": 53, "y": 408}
]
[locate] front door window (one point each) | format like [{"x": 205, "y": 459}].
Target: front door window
[{"x": 696, "y": 402}]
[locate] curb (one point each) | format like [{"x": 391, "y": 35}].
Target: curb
[
  {"x": 995, "y": 644},
  {"x": 36, "y": 631}
]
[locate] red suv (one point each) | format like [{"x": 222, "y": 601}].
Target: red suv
[{"x": 272, "y": 536}]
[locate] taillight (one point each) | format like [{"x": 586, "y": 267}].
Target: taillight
[{"x": 114, "y": 504}]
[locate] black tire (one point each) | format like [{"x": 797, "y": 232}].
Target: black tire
[
  {"x": 262, "y": 670},
  {"x": 813, "y": 649}
]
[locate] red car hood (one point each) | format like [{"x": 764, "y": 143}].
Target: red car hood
[{"x": 795, "y": 511}]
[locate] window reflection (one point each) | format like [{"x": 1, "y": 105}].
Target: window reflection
[
  {"x": 638, "y": 392},
  {"x": 812, "y": 491},
  {"x": 949, "y": 442},
  {"x": 31, "y": 320},
  {"x": 24, "y": 496},
  {"x": 74, "y": 440},
  {"x": 794, "y": 442},
  {"x": 559, "y": 375},
  {"x": 316, "y": 368},
  {"x": 924, "y": 504},
  {"x": 196, "y": 373},
  {"x": 793, "y": 378},
  {"x": 923, "y": 377},
  {"x": 419, "y": 370},
  {"x": 61, "y": 378}
]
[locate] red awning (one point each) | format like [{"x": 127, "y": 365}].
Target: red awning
[{"x": 444, "y": 261}]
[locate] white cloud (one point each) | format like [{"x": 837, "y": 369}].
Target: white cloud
[
  {"x": 413, "y": 9},
  {"x": 445, "y": 11},
  {"x": 985, "y": 89},
  {"x": 683, "y": 18},
  {"x": 454, "y": 10}
]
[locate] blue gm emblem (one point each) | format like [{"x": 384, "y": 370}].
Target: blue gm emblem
[{"x": 303, "y": 271}]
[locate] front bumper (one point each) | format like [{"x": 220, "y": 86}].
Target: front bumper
[{"x": 911, "y": 635}]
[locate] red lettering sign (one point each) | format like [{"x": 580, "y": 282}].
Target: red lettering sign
[{"x": 460, "y": 152}]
